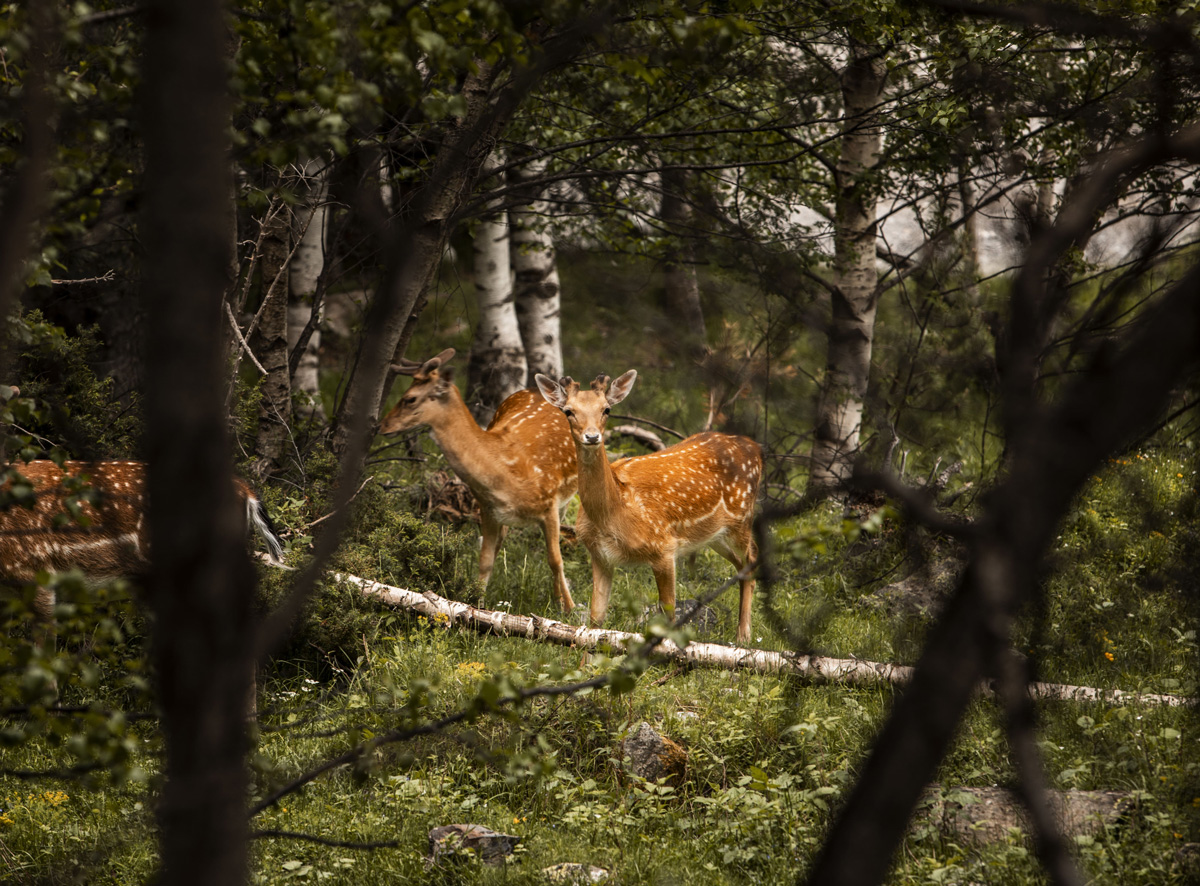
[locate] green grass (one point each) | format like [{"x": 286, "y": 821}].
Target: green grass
[{"x": 768, "y": 757}]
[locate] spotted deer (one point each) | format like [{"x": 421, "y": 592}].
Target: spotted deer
[
  {"x": 521, "y": 469},
  {"x": 653, "y": 508},
  {"x": 90, "y": 516}
]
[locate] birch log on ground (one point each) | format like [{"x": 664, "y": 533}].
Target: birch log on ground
[{"x": 812, "y": 667}]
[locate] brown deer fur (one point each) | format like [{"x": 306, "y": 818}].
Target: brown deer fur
[
  {"x": 521, "y": 469},
  {"x": 110, "y": 538},
  {"x": 652, "y": 508}
]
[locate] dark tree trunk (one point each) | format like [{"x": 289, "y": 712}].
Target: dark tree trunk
[
  {"x": 201, "y": 583},
  {"x": 681, "y": 286},
  {"x": 270, "y": 344},
  {"x": 416, "y": 253}
]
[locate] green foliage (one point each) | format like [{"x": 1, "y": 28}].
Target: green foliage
[{"x": 67, "y": 405}]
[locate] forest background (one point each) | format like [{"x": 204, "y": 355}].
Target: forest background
[{"x": 937, "y": 258}]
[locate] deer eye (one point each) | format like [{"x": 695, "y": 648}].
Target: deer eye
[
  {"x": 607, "y": 410},
  {"x": 409, "y": 401},
  {"x": 568, "y": 411}
]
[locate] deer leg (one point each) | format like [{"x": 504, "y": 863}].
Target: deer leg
[
  {"x": 664, "y": 577},
  {"x": 562, "y": 591},
  {"x": 43, "y": 618},
  {"x": 602, "y": 574},
  {"x": 741, "y": 551},
  {"x": 493, "y": 534}
]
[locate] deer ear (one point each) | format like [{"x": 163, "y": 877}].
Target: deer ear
[
  {"x": 621, "y": 387},
  {"x": 445, "y": 381},
  {"x": 551, "y": 390}
]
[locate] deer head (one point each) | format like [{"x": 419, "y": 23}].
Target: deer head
[
  {"x": 427, "y": 393},
  {"x": 586, "y": 411}
]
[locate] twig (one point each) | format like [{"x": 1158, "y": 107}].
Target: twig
[
  {"x": 106, "y": 277},
  {"x": 334, "y": 511},
  {"x": 244, "y": 344}
]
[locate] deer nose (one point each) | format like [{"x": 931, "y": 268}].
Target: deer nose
[{"x": 591, "y": 437}]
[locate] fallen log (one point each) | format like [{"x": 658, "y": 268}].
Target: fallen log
[{"x": 811, "y": 667}]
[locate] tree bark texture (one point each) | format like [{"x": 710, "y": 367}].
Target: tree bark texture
[
  {"x": 855, "y": 280},
  {"x": 681, "y": 285},
  {"x": 496, "y": 367},
  {"x": 416, "y": 250},
  {"x": 201, "y": 583},
  {"x": 309, "y": 226},
  {"x": 536, "y": 289},
  {"x": 270, "y": 345}
]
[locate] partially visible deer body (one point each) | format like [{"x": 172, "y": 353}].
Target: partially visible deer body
[
  {"x": 652, "y": 508},
  {"x": 108, "y": 538},
  {"x": 521, "y": 469}
]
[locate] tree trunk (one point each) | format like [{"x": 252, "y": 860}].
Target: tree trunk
[
  {"x": 497, "y": 365},
  {"x": 270, "y": 345},
  {"x": 855, "y": 276},
  {"x": 309, "y": 225},
  {"x": 415, "y": 252},
  {"x": 681, "y": 286},
  {"x": 536, "y": 290},
  {"x": 201, "y": 583}
]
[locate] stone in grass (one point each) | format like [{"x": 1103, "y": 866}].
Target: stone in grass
[
  {"x": 653, "y": 756},
  {"x": 987, "y": 815},
  {"x": 573, "y": 872},
  {"x": 463, "y": 841}
]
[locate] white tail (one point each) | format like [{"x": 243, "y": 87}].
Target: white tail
[
  {"x": 91, "y": 516},
  {"x": 652, "y": 508},
  {"x": 521, "y": 469}
]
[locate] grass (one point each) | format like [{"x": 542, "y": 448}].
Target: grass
[{"x": 768, "y": 757}]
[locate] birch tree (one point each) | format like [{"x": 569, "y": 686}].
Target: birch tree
[
  {"x": 304, "y": 311},
  {"x": 269, "y": 339},
  {"x": 497, "y": 365},
  {"x": 854, "y": 288},
  {"x": 537, "y": 293}
]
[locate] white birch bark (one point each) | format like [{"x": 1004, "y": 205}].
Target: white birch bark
[
  {"x": 855, "y": 276},
  {"x": 497, "y": 366},
  {"x": 536, "y": 289},
  {"x": 309, "y": 224},
  {"x": 813, "y": 667}
]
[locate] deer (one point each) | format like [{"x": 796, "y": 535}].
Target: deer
[
  {"x": 90, "y": 516},
  {"x": 650, "y": 509},
  {"x": 521, "y": 469}
]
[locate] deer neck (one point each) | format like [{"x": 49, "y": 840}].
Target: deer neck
[
  {"x": 465, "y": 444},
  {"x": 599, "y": 491}
]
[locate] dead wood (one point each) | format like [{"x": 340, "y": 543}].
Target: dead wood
[{"x": 812, "y": 667}]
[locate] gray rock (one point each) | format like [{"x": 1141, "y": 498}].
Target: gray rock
[
  {"x": 572, "y": 872},
  {"x": 921, "y": 592},
  {"x": 987, "y": 815},
  {"x": 462, "y": 841},
  {"x": 651, "y": 755}
]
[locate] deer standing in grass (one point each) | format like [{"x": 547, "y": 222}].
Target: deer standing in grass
[
  {"x": 90, "y": 516},
  {"x": 521, "y": 469},
  {"x": 652, "y": 508}
]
